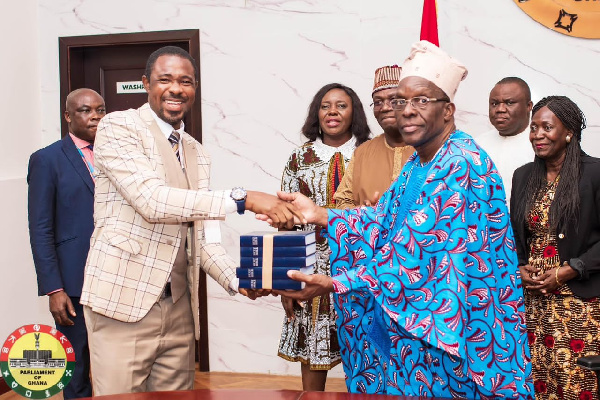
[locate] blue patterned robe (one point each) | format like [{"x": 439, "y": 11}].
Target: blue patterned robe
[{"x": 428, "y": 299}]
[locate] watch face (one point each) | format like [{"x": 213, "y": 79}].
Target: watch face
[{"x": 238, "y": 193}]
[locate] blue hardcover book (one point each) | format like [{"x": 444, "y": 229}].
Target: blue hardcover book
[
  {"x": 281, "y": 238},
  {"x": 287, "y": 251},
  {"x": 276, "y": 273},
  {"x": 277, "y": 262},
  {"x": 280, "y": 284}
]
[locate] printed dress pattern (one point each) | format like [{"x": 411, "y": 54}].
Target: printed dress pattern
[
  {"x": 435, "y": 307},
  {"x": 315, "y": 170},
  {"x": 562, "y": 326}
]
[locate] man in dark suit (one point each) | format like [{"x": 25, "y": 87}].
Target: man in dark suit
[{"x": 61, "y": 208}]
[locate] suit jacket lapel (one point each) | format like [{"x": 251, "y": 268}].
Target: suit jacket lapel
[
  {"x": 190, "y": 153},
  {"x": 191, "y": 162},
  {"x": 172, "y": 169},
  {"x": 68, "y": 147}
]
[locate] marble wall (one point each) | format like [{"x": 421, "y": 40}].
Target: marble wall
[
  {"x": 263, "y": 60},
  {"x": 20, "y": 127}
]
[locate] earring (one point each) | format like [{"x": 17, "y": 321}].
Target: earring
[
  {"x": 568, "y": 139},
  {"x": 320, "y": 131}
]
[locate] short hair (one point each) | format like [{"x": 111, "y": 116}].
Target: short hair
[
  {"x": 359, "y": 127},
  {"x": 76, "y": 92},
  {"x": 169, "y": 51},
  {"x": 518, "y": 81}
]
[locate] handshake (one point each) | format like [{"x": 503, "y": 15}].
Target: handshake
[{"x": 286, "y": 209}]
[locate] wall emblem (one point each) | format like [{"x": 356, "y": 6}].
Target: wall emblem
[
  {"x": 580, "y": 18},
  {"x": 37, "y": 361}
]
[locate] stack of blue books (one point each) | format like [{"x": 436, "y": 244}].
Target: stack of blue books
[{"x": 266, "y": 257}]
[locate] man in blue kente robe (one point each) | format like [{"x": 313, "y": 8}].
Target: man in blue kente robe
[{"x": 433, "y": 263}]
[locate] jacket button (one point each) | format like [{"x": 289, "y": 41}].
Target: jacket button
[
  {"x": 560, "y": 235},
  {"x": 169, "y": 241}
]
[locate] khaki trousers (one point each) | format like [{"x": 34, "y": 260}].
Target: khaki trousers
[{"x": 153, "y": 354}]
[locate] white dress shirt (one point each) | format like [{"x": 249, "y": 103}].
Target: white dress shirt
[{"x": 508, "y": 153}]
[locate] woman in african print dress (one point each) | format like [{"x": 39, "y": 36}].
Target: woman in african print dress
[
  {"x": 335, "y": 125},
  {"x": 555, "y": 213}
]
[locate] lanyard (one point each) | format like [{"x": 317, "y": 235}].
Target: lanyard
[{"x": 88, "y": 164}]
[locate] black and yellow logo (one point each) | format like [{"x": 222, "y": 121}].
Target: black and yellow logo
[{"x": 37, "y": 361}]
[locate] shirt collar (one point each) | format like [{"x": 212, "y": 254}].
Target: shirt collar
[
  {"x": 387, "y": 146},
  {"x": 165, "y": 127},
  {"x": 523, "y": 136},
  {"x": 325, "y": 152},
  {"x": 79, "y": 143}
]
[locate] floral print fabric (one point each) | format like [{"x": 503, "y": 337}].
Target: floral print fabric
[
  {"x": 439, "y": 307},
  {"x": 561, "y": 326},
  {"x": 315, "y": 170}
]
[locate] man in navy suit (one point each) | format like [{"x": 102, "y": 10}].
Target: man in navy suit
[{"x": 61, "y": 207}]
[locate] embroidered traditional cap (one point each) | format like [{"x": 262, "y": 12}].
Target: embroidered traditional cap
[
  {"x": 386, "y": 78},
  {"x": 428, "y": 61}
]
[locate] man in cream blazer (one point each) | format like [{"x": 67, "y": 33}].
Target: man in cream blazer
[{"x": 152, "y": 201}]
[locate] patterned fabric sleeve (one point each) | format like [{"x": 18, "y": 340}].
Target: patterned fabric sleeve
[
  {"x": 215, "y": 262},
  {"x": 120, "y": 154},
  {"x": 349, "y": 226},
  {"x": 289, "y": 181}
]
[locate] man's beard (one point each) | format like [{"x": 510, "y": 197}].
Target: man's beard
[{"x": 171, "y": 119}]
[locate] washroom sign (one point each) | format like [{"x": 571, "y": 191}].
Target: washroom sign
[
  {"x": 130, "y": 87},
  {"x": 579, "y": 18}
]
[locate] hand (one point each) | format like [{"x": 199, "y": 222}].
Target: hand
[
  {"x": 312, "y": 213},
  {"x": 61, "y": 307},
  {"x": 253, "y": 294},
  {"x": 528, "y": 273},
  {"x": 278, "y": 213},
  {"x": 288, "y": 306},
  {"x": 373, "y": 200},
  {"x": 545, "y": 283},
  {"x": 315, "y": 285},
  {"x": 530, "y": 278}
]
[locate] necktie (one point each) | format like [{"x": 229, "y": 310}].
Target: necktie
[
  {"x": 174, "y": 140},
  {"x": 89, "y": 163}
]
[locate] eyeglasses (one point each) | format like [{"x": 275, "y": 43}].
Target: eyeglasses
[
  {"x": 378, "y": 104},
  {"x": 420, "y": 102}
]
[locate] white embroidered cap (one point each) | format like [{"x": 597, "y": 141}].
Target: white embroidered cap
[{"x": 428, "y": 61}]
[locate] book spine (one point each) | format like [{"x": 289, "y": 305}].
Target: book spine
[
  {"x": 278, "y": 240},
  {"x": 288, "y": 251},
  {"x": 277, "y": 262},
  {"x": 276, "y": 273},
  {"x": 279, "y": 284}
]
